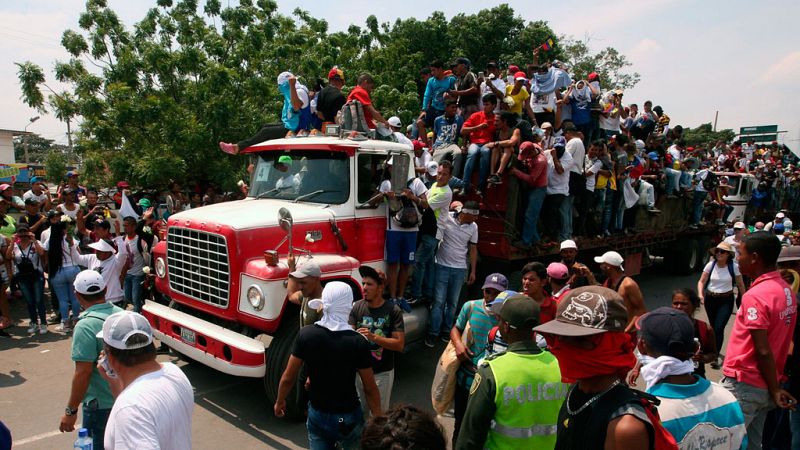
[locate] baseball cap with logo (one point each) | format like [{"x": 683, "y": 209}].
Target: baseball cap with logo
[
  {"x": 308, "y": 268},
  {"x": 89, "y": 282},
  {"x": 395, "y": 122},
  {"x": 667, "y": 331},
  {"x": 611, "y": 258},
  {"x": 586, "y": 311},
  {"x": 520, "y": 312},
  {"x": 496, "y": 281},
  {"x": 119, "y": 327}
]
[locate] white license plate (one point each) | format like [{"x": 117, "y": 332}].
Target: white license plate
[{"x": 188, "y": 336}]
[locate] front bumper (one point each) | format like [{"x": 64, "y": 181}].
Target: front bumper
[{"x": 215, "y": 346}]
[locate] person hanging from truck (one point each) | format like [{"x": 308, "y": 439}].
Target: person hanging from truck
[
  {"x": 303, "y": 286},
  {"x": 534, "y": 173},
  {"x": 295, "y": 116}
]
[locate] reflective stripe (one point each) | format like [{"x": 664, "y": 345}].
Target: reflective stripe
[{"x": 523, "y": 433}]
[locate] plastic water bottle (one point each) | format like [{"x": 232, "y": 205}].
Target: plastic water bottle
[{"x": 84, "y": 442}]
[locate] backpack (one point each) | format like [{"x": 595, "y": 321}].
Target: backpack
[
  {"x": 711, "y": 181},
  {"x": 730, "y": 271},
  {"x": 405, "y": 211},
  {"x": 351, "y": 117},
  {"x": 25, "y": 268}
]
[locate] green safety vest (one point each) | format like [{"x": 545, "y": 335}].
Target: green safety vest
[{"x": 528, "y": 396}]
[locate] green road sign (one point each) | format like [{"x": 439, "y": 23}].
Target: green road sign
[{"x": 758, "y": 129}]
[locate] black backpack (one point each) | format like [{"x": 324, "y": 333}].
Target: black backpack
[
  {"x": 407, "y": 212},
  {"x": 25, "y": 268},
  {"x": 711, "y": 181}
]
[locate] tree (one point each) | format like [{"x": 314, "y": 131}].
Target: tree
[
  {"x": 156, "y": 98},
  {"x": 703, "y": 136},
  {"x": 608, "y": 63}
]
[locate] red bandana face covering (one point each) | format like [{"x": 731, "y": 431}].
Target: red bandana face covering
[{"x": 612, "y": 355}]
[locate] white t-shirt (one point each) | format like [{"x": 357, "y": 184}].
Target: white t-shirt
[
  {"x": 609, "y": 123},
  {"x": 720, "y": 280},
  {"x": 455, "y": 239},
  {"x": 418, "y": 188},
  {"x": 109, "y": 269},
  {"x": 558, "y": 183},
  {"x": 578, "y": 151},
  {"x": 734, "y": 243},
  {"x": 423, "y": 159},
  {"x": 153, "y": 412},
  {"x": 72, "y": 214},
  {"x": 40, "y": 198},
  {"x": 541, "y": 103},
  {"x": 66, "y": 251},
  {"x": 592, "y": 169},
  {"x": 137, "y": 258},
  {"x": 403, "y": 139},
  {"x": 30, "y": 253},
  {"x": 500, "y": 85},
  {"x": 288, "y": 182},
  {"x": 700, "y": 177},
  {"x": 676, "y": 154}
]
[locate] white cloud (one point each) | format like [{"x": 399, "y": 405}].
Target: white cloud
[
  {"x": 784, "y": 71},
  {"x": 644, "y": 49}
]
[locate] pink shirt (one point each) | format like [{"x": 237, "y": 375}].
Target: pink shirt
[{"x": 768, "y": 305}]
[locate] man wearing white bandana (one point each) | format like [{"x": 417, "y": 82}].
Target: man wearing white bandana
[
  {"x": 332, "y": 353},
  {"x": 692, "y": 409}
]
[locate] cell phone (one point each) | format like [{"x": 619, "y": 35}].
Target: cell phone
[
  {"x": 480, "y": 74},
  {"x": 107, "y": 367}
]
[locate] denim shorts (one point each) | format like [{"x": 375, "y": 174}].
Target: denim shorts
[{"x": 400, "y": 246}]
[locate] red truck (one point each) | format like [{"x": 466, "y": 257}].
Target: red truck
[{"x": 223, "y": 267}]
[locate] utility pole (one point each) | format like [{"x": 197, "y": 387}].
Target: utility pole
[
  {"x": 716, "y": 116},
  {"x": 27, "y": 141},
  {"x": 69, "y": 134}
]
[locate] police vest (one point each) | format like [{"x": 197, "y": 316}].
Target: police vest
[{"x": 528, "y": 396}]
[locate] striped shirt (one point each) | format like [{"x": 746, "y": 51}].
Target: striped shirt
[
  {"x": 480, "y": 323},
  {"x": 702, "y": 415}
]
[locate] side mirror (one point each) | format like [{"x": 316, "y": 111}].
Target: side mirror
[{"x": 285, "y": 220}]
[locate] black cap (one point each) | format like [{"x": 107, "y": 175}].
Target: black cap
[
  {"x": 520, "y": 312},
  {"x": 462, "y": 60},
  {"x": 31, "y": 201},
  {"x": 668, "y": 331},
  {"x": 371, "y": 272}
]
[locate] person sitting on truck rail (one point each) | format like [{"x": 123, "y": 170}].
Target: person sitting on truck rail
[
  {"x": 303, "y": 286},
  {"x": 381, "y": 323}
]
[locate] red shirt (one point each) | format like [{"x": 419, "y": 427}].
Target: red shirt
[
  {"x": 536, "y": 177},
  {"x": 769, "y": 305},
  {"x": 485, "y": 135},
  {"x": 361, "y": 94},
  {"x": 547, "y": 309}
]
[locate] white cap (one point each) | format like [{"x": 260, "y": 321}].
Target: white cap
[
  {"x": 739, "y": 226},
  {"x": 119, "y": 327},
  {"x": 307, "y": 268},
  {"x": 432, "y": 167},
  {"x": 780, "y": 215},
  {"x": 547, "y": 125},
  {"x": 569, "y": 243},
  {"x": 102, "y": 246},
  {"x": 89, "y": 282},
  {"x": 610, "y": 258},
  {"x": 639, "y": 144},
  {"x": 395, "y": 122}
]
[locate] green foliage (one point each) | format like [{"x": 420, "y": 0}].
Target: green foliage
[
  {"x": 55, "y": 164},
  {"x": 704, "y": 136},
  {"x": 608, "y": 63},
  {"x": 162, "y": 93},
  {"x": 39, "y": 148}
]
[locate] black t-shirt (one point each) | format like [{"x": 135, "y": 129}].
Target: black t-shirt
[
  {"x": 468, "y": 81},
  {"x": 381, "y": 321},
  {"x": 30, "y": 221},
  {"x": 525, "y": 131},
  {"x": 332, "y": 359},
  {"x": 329, "y": 101}
]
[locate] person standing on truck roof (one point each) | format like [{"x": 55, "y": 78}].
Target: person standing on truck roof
[
  {"x": 466, "y": 89},
  {"x": 494, "y": 419},
  {"x": 295, "y": 116},
  {"x": 433, "y": 100},
  {"x": 333, "y": 353},
  {"x": 396, "y": 125},
  {"x": 477, "y": 315},
  {"x": 439, "y": 197},
  {"x": 381, "y": 323},
  {"x": 303, "y": 286},
  {"x": 330, "y": 99},
  {"x": 611, "y": 266}
]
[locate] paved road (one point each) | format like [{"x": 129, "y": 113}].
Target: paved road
[{"x": 35, "y": 374}]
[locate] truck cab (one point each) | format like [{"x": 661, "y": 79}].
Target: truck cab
[{"x": 223, "y": 267}]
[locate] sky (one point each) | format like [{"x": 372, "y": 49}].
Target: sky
[{"x": 695, "y": 57}]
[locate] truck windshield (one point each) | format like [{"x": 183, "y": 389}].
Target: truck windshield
[{"x": 318, "y": 176}]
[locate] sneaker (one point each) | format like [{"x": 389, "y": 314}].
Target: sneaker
[
  {"x": 54, "y": 319},
  {"x": 63, "y": 327},
  {"x": 716, "y": 364},
  {"x": 32, "y": 329},
  {"x": 653, "y": 210},
  {"x": 444, "y": 338},
  {"x": 495, "y": 179},
  {"x": 403, "y": 304},
  {"x": 228, "y": 148},
  {"x": 42, "y": 329},
  {"x": 430, "y": 341}
]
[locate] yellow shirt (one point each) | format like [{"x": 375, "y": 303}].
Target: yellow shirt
[{"x": 519, "y": 99}]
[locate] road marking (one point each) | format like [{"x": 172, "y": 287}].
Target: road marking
[{"x": 39, "y": 437}]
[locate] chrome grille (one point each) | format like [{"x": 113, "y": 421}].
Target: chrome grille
[{"x": 197, "y": 263}]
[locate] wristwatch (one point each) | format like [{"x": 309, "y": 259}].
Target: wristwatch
[{"x": 70, "y": 412}]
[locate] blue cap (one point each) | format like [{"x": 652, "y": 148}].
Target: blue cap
[
  {"x": 35, "y": 179},
  {"x": 653, "y": 156},
  {"x": 559, "y": 142}
]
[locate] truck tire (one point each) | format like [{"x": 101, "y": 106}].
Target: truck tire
[
  {"x": 277, "y": 357},
  {"x": 683, "y": 259}
]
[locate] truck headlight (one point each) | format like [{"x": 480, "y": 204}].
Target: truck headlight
[
  {"x": 161, "y": 268},
  {"x": 256, "y": 297}
]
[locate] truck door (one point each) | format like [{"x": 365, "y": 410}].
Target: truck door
[{"x": 370, "y": 217}]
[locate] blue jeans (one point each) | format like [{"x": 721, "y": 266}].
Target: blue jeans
[
  {"x": 530, "y": 232},
  {"x": 475, "y": 151},
  {"x": 794, "y": 425},
  {"x": 698, "y": 200},
  {"x": 134, "y": 291},
  {"x": 94, "y": 420},
  {"x": 32, "y": 288},
  {"x": 62, "y": 283},
  {"x": 448, "y": 287},
  {"x": 325, "y": 430},
  {"x": 602, "y": 199},
  {"x": 424, "y": 276}
]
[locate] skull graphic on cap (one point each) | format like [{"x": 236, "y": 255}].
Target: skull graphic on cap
[{"x": 589, "y": 308}]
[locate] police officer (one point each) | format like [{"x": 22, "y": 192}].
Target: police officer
[{"x": 515, "y": 398}]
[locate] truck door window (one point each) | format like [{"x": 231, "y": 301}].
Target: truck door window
[
  {"x": 317, "y": 176},
  {"x": 371, "y": 172}
]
